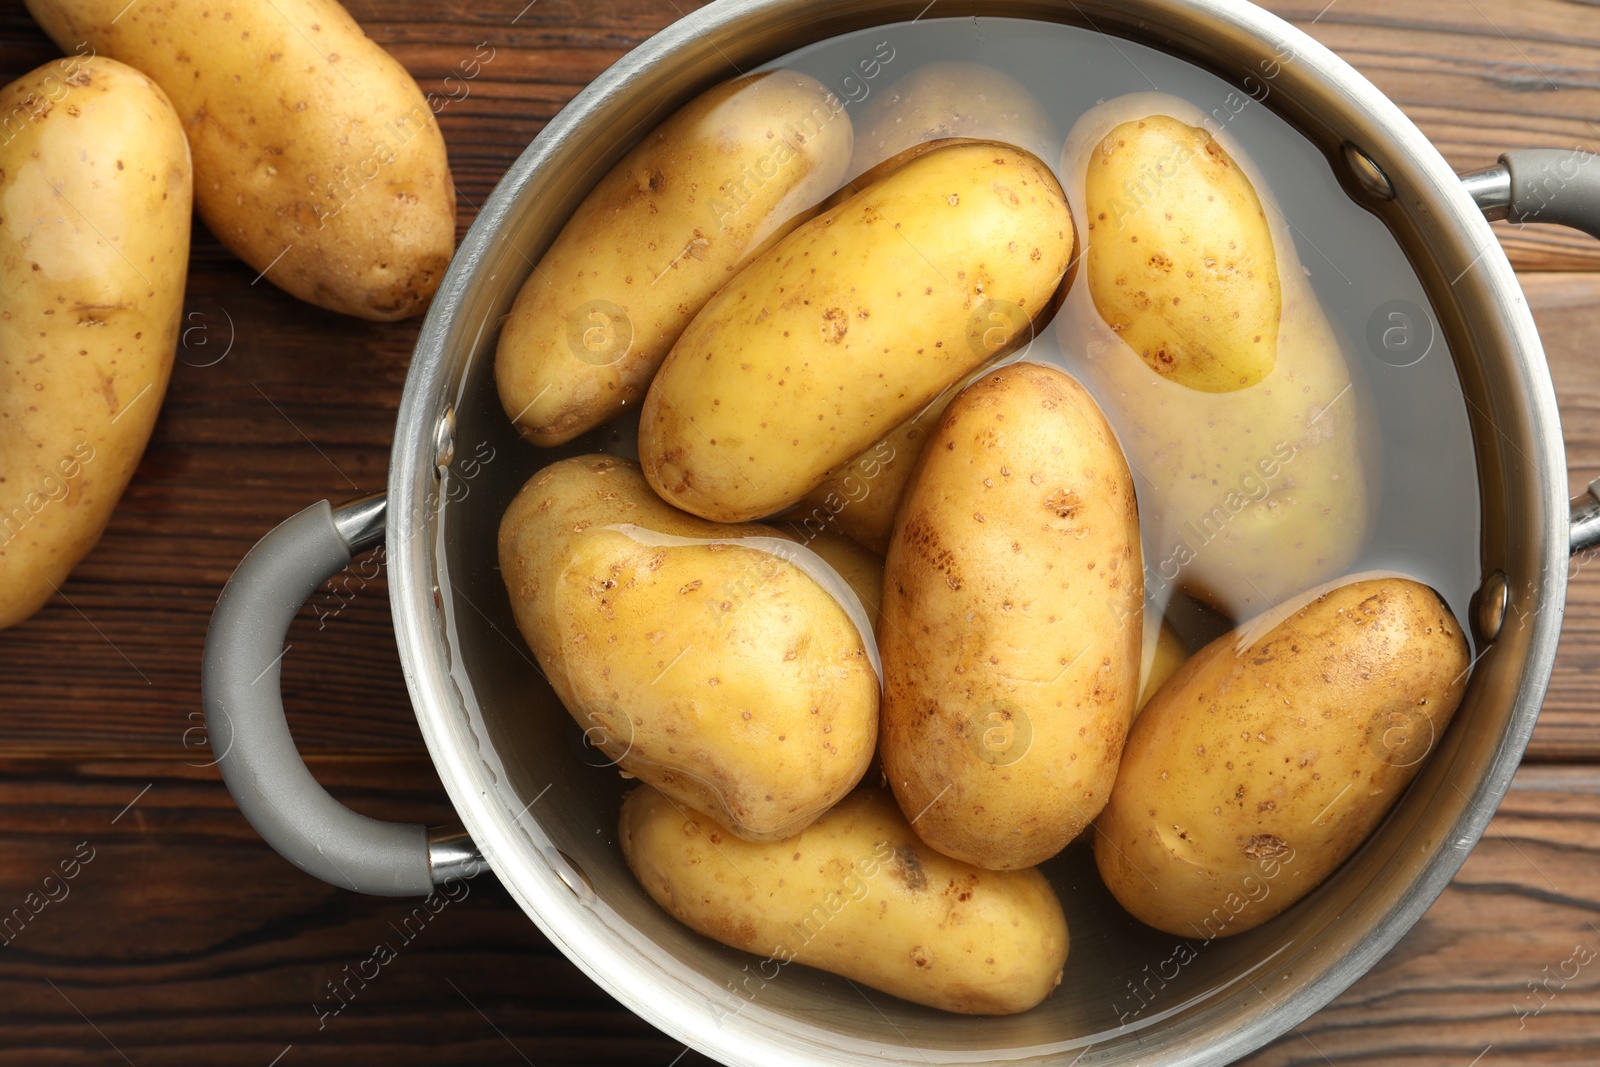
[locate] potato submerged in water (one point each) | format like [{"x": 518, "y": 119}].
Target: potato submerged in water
[
  {"x": 1012, "y": 621},
  {"x": 1187, "y": 275},
  {"x": 857, "y": 894},
  {"x": 862, "y": 497},
  {"x": 1269, "y": 756},
  {"x": 861, "y": 570},
  {"x": 1260, "y": 455},
  {"x": 851, "y": 325},
  {"x": 94, "y": 242},
  {"x": 737, "y": 168},
  {"x": 1168, "y": 656},
  {"x": 317, "y": 160},
  {"x": 706, "y": 664}
]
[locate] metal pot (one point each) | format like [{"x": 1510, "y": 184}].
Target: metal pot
[{"x": 545, "y": 822}]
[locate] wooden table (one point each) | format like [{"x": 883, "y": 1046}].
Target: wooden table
[{"x": 184, "y": 940}]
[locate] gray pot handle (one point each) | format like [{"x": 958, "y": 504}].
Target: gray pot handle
[
  {"x": 250, "y": 736},
  {"x": 1557, "y": 185}
]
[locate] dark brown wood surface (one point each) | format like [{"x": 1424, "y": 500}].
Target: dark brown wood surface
[{"x": 184, "y": 940}]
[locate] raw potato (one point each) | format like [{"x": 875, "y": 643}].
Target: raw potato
[
  {"x": 1254, "y": 495},
  {"x": 719, "y": 672},
  {"x": 736, "y": 169},
  {"x": 851, "y": 325},
  {"x": 1182, "y": 265},
  {"x": 317, "y": 160},
  {"x": 862, "y": 570},
  {"x": 952, "y": 99},
  {"x": 1169, "y": 656},
  {"x": 862, "y": 497},
  {"x": 856, "y": 894},
  {"x": 1012, "y": 604},
  {"x": 94, "y": 242},
  {"x": 1273, "y": 753}
]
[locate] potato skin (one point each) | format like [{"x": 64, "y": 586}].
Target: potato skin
[
  {"x": 1271, "y": 754},
  {"x": 310, "y": 141},
  {"x": 1012, "y": 608},
  {"x": 862, "y": 570},
  {"x": 1170, "y": 654},
  {"x": 857, "y": 894},
  {"x": 671, "y": 224},
  {"x": 719, "y": 673},
  {"x": 862, "y": 497},
  {"x": 1185, "y": 272},
  {"x": 953, "y": 98},
  {"x": 94, "y": 242},
  {"x": 1254, "y": 495},
  {"x": 849, "y": 326}
]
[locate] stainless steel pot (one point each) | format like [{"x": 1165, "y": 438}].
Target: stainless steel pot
[{"x": 545, "y": 822}]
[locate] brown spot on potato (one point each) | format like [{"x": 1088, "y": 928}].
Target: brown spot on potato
[
  {"x": 835, "y": 324},
  {"x": 1064, "y": 502},
  {"x": 1265, "y": 846},
  {"x": 909, "y": 868}
]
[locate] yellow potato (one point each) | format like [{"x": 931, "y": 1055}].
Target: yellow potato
[
  {"x": 862, "y": 497},
  {"x": 851, "y": 325},
  {"x": 317, "y": 160},
  {"x": 1273, "y": 753},
  {"x": 1012, "y": 604},
  {"x": 861, "y": 570},
  {"x": 857, "y": 894},
  {"x": 1169, "y": 655},
  {"x": 737, "y": 168},
  {"x": 952, "y": 99},
  {"x": 1181, "y": 264},
  {"x": 94, "y": 241},
  {"x": 1256, "y": 494},
  {"x": 711, "y": 666}
]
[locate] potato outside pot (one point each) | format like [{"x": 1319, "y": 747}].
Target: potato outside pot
[
  {"x": 317, "y": 159},
  {"x": 94, "y": 243}
]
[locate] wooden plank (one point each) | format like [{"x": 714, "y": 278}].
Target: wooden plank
[
  {"x": 186, "y": 941},
  {"x": 1566, "y": 308},
  {"x": 181, "y": 939}
]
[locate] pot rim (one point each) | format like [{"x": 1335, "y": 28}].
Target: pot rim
[{"x": 538, "y": 882}]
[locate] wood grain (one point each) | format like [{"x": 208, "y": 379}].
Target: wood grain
[
  {"x": 183, "y": 940},
  {"x": 1566, "y": 308},
  {"x": 186, "y": 941}
]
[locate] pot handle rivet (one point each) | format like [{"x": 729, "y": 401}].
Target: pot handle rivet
[
  {"x": 444, "y": 440},
  {"x": 1489, "y": 606},
  {"x": 1367, "y": 174},
  {"x": 571, "y": 875}
]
